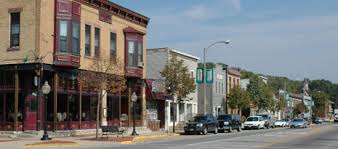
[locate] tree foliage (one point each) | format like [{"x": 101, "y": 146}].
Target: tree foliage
[
  {"x": 320, "y": 99},
  {"x": 177, "y": 78},
  {"x": 281, "y": 104},
  {"x": 105, "y": 76},
  {"x": 299, "y": 109},
  {"x": 238, "y": 99},
  {"x": 261, "y": 94}
]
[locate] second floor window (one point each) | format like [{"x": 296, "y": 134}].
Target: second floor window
[
  {"x": 87, "y": 40},
  {"x": 97, "y": 42},
  {"x": 15, "y": 30},
  {"x": 63, "y": 36},
  {"x": 140, "y": 53},
  {"x": 76, "y": 38},
  {"x": 131, "y": 53},
  {"x": 112, "y": 45}
]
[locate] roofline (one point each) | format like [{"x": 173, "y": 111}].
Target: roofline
[{"x": 178, "y": 52}]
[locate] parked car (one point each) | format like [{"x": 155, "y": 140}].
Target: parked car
[
  {"x": 317, "y": 120},
  {"x": 202, "y": 124},
  {"x": 280, "y": 123},
  {"x": 229, "y": 122},
  {"x": 268, "y": 119},
  {"x": 288, "y": 122},
  {"x": 298, "y": 123},
  {"x": 254, "y": 122}
]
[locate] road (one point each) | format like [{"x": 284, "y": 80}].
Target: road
[{"x": 317, "y": 137}]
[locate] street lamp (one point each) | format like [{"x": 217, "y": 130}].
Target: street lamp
[
  {"x": 175, "y": 106},
  {"x": 134, "y": 99},
  {"x": 205, "y": 72},
  {"x": 45, "y": 91}
]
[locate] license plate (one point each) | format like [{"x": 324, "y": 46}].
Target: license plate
[{"x": 191, "y": 129}]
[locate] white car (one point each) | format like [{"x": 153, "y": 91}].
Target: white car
[
  {"x": 280, "y": 123},
  {"x": 254, "y": 122}
]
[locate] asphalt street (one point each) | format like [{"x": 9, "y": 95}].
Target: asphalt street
[{"x": 317, "y": 137}]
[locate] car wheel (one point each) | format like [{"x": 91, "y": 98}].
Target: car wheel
[
  {"x": 258, "y": 127},
  {"x": 205, "y": 131},
  {"x": 216, "y": 130},
  {"x": 239, "y": 129}
]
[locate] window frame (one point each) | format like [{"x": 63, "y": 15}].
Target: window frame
[
  {"x": 97, "y": 37},
  {"x": 113, "y": 49},
  {"x": 59, "y": 36},
  {"x": 11, "y": 14},
  {"x": 88, "y": 45}
]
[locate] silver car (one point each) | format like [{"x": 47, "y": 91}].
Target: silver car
[{"x": 298, "y": 123}]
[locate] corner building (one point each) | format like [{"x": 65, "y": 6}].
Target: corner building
[{"x": 54, "y": 40}]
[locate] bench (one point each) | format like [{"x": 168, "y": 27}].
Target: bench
[{"x": 106, "y": 130}]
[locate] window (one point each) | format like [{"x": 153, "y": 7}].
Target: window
[
  {"x": 88, "y": 40},
  {"x": 76, "y": 38},
  {"x": 97, "y": 42},
  {"x": 15, "y": 30},
  {"x": 222, "y": 88},
  {"x": 191, "y": 74},
  {"x": 140, "y": 52},
  {"x": 112, "y": 45},
  {"x": 131, "y": 53},
  {"x": 135, "y": 52},
  {"x": 216, "y": 86},
  {"x": 230, "y": 83},
  {"x": 63, "y": 34}
]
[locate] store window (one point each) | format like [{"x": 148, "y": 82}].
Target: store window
[{"x": 15, "y": 30}]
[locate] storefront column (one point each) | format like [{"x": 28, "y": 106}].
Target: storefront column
[
  {"x": 80, "y": 104},
  {"x": 167, "y": 115},
  {"x": 129, "y": 105},
  {"x": 16, "y": 101},
  {"x": 4, "y": 107},
  {"x": 144, "y": 107},
  {"x": 55, "y": 100},
  {"x": 103, "y": 114}
]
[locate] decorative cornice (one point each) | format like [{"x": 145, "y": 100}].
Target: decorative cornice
[{"x": 118, "y": 11}]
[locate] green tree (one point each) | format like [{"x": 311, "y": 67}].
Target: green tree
[
  {"x": 238, "y": 99},
  {"x": 299, "y": 109},
  {"x": 281, "y": 104},
  {"x": 320, "y": 99},
  {"x": 177, "y": 78},
  {"x": 260, "y": 93}
]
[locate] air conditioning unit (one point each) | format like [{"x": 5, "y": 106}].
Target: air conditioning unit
[{"x": 140, "y": 64}]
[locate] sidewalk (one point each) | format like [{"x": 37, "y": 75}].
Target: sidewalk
[{"x": 78, "y": 141}]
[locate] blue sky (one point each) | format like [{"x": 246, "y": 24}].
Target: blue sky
[{"x": 292, "y": 38}]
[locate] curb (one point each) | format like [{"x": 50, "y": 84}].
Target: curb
[
  {"x": 52, "y": 144},
  {"x": 138, "y": 139}
]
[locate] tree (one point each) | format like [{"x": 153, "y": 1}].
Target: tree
[
  {"x": 320, "y": 100},
  {"x": 299, "y": 109},
  {"x": 177, "y": 78},
  {"x": 260, "y": 93},
  {"x": 105, "y": 76},
  {"x": 281, "y": 104},
  {"x": 238, "y": 99}
]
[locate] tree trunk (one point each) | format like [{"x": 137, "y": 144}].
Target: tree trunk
[{"x": 98, "y": 115}]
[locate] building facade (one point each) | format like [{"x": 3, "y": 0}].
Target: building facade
[
  {"x": 215, "y": 89},
  {"x": 233, "y": 80},
  {"x": 53, "y": 41},
  {"x": 157, "y": 59}
]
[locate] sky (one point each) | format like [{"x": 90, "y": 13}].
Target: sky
[{"x": 292, "y": 38}]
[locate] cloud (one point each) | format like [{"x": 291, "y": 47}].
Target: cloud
[{"x": 198, "y": 12}]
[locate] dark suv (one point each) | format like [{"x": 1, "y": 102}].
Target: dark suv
[
  {"x": 229, "y": 122},
  {"x": 202, "y": 124}
]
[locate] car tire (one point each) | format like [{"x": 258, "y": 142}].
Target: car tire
[
  {"x": 239, "y": 129},
  {"x": 216, "y": 130},
  {"x": 205, "y": 131}
]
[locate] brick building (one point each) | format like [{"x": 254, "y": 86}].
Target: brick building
[{"x": 54, "y": 40}]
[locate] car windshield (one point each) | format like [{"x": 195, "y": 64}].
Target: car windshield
[
  {"x": 297, "y": 120},
  {"x": 252, "y": 119},
  {"x": 224, "y": 117},
  {"x": 200, "y": 118}
]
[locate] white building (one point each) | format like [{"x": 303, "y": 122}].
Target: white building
[{"x": 156, "y": 61}]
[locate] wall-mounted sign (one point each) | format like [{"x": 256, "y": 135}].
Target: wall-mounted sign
[
  {"x": 210, "y": 76},
  {"x": 199, "y": 76},
  {"x": 105, "y": 17}
]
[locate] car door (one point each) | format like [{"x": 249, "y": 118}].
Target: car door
[{"x": 210, "y": 123}]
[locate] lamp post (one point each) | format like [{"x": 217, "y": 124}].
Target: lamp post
[
  {"x": 134, "y": 99},
  {"x": 205, "y": 72},
  {"x": 175, "y": 106},
  {"x": 45, "y": 91}
]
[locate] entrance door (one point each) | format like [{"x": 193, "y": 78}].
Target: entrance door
[{"x": 31, "y": 113}]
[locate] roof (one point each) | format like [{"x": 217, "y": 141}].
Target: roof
[
  {"x": 177, "y": 52},
  {"x": 234, "y": 71},
  {"x": 118, "y": 11}
]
